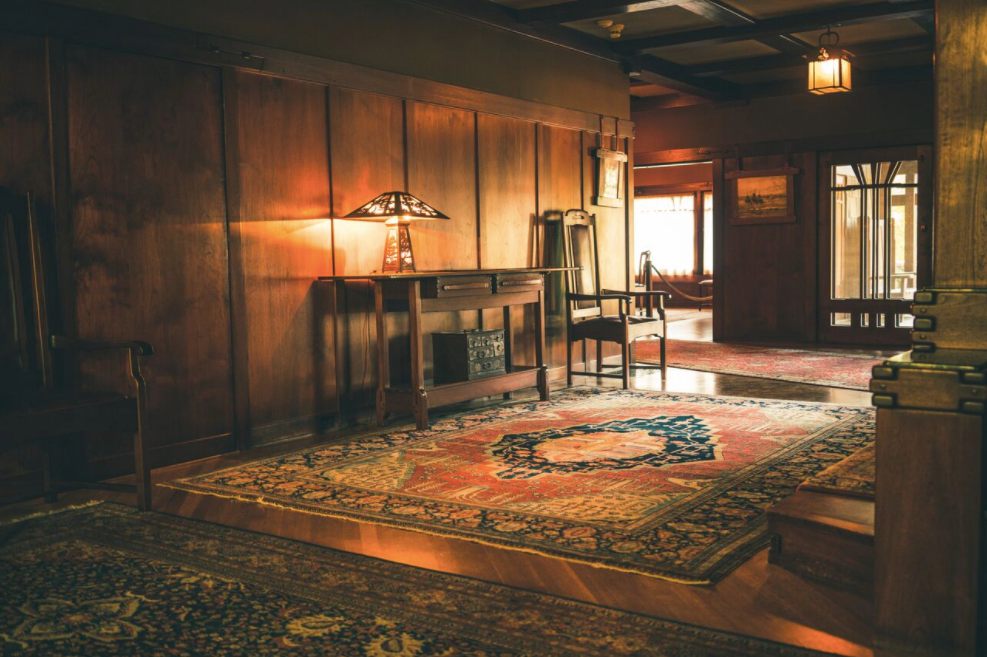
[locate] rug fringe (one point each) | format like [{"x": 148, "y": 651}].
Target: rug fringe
[
  {"x": 51, "y": 512},
  {"x": 393, "y": 525}
]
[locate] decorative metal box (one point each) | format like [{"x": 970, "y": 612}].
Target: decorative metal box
[{"x": 467, "y": 355}]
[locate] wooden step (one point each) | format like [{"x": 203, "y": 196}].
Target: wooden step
[{"x": 825, "y": 537}]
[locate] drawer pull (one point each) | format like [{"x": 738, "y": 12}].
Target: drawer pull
[
  {"x": 465, "y": 286},
  {"x": 533, "y": 281}
]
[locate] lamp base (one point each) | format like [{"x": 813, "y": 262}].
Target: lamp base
[{"x": 398, "y": 256}]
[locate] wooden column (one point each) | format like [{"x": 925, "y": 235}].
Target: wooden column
[{"x": 929, "y": 534}]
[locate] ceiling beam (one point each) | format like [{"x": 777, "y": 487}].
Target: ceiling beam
[
  {"x": 771, "y": 62},
  {"x": 723, "y": 14},
  {"x": 675, "y": 76},
  {"x": 566, "y": 12},
  {"x": 801, "y": 22}
]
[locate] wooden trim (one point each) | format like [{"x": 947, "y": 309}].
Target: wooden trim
[
  {"x": 680, "y": 188},
  {"x": 236, "y": 285},
  {"x": 889, "y": 139},
  {"x": 86, "y": 27},
  {"x": 758, "y": 173}
]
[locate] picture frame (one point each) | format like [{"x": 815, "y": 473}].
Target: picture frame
[
  {"x": 609, "y": 178},
  {"x": 761, "y": 197}
]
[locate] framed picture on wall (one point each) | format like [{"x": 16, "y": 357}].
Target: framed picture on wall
[
  {"x": 609, "y": 178},
  {"x": 761, "y": 197}
]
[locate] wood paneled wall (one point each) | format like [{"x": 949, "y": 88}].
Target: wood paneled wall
[{"x": 197, "y": 215}]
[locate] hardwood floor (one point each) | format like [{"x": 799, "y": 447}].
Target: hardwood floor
[{"x": 757, "y": 599}]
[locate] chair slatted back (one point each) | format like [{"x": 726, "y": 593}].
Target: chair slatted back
[
  {"x": 25, "y": 356},
  {"x": 579, "y": 249}
]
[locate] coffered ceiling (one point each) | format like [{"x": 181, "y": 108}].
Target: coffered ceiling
[{"x": 687, "y": 51}]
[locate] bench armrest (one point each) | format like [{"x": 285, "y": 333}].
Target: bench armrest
[{"x": 63, "y": 342}]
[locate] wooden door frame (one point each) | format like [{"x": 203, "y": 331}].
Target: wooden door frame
[{"x": 888, "y": 335}]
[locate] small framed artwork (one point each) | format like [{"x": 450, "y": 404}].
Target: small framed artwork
[
  {"x": 609, "y": 178},
  {"x": 761, "y": 197}
]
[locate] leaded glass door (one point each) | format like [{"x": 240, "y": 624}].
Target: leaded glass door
[{"x": 875, "y": 244}]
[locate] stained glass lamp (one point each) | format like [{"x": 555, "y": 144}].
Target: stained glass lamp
[
  {"x": 397, "y": 210},
  {"x": 830, "y": 71}
]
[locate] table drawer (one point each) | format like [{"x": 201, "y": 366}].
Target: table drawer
[
  {"x": 519, "y": 282},
  {"x": 456, "y": 286}
]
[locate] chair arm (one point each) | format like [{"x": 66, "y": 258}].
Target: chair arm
[
  {"x": 135, "y": 348},
  {"x": 63, "y": 342},
  {"x": 606, "y": 296},
  {"x": 641, "y": 293},
  {"x": 624, "y": 308}
]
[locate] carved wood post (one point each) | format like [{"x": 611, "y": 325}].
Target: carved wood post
[{"x": 929, "y": 534}]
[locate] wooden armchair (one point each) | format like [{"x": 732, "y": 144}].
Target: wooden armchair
[
  {"x": 37, "y": 405},
  {"x": 585, "y": 319}
]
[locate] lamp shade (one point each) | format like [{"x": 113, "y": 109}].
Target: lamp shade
[{"x": 395, "y": 207}]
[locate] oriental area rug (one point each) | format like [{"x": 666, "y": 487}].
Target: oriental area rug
[
  {"x": 667, "y": 485},
  {"x": 107, "y": 581},
  {"x": 837, "y": 370}
]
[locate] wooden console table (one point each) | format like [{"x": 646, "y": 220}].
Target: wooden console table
[{"x": 417, "y": 293}]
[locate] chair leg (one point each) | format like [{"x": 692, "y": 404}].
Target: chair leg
[
  {"x": 48, "y": 472},
  {"x": 142, "y": 473},
  {"x": 568, "y": 362},
  {"x": 585, "y": 357},
  {"x": 599, "y": 355},
  {"x": 625, "y": 356},
  {"x": 664, "y": 362}
]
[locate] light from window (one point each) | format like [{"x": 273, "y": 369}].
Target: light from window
[
  {"x": 666, "y": 226},
  {"x": 707, "y": 234}
]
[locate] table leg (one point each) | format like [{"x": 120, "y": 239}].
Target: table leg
[
  {"x": 543, "y": 389},
  {"x": 420, "y": 400},
  {"x": 383, "y": 358},
  {"x": 508, "y": 344}
]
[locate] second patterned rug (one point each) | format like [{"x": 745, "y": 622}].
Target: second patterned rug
[
  {"x": 666, "y": 485},
  {"x": 838, "y": 370}
]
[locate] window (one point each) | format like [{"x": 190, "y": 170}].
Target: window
[
  {"x": 672, "y": 227},
  {"x": 875, "y": 230}
]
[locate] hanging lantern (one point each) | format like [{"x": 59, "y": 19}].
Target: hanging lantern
[{"x": 829, "y": 72}]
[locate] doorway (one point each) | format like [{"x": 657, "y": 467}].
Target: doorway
[
  {"x": 875, "y": 243},
  {"x": 673, "y": 221}
]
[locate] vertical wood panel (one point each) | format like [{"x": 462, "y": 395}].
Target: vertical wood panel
[
  {"x": 560, "y": 187},
  {"x": 508, "y": 209},
  {"x": 367, "y": 142},
  {"x": 25, "y": 165},
  {"x": 442, "y": 172},
  {"x": 281, "y": 217},
  {"x": 506, "y": 161},
  {"x": 367, "y": 158},
  {"x": 961, "y": 144},
  {"x": 146, "y": 169}
]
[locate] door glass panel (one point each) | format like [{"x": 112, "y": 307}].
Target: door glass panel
[{"x": 874, "y": 227}]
